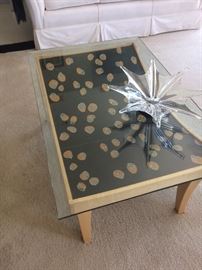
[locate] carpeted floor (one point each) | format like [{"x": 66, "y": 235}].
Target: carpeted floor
[{"x": 143, "y": 233}]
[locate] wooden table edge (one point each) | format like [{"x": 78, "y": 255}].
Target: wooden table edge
[{"x": 116, "y": 195}]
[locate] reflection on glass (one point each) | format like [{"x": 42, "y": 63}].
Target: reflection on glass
[
  {"x": 143, "y": 125},
  {"x": 151, "y": 93}
]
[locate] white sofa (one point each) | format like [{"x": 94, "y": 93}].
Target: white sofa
[{"x": 60, "y": 22}]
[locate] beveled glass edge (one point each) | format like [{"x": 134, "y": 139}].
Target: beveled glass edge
[
  {"x": 62, "y": 205},
  {"x": 83, "y": 48}
]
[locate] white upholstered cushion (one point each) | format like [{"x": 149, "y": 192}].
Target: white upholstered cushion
[
  {"x": 175, "y": 15},
  {"x": 138, "y": 27},
  {"x": 112, "y": 1},
  {"x": 115, "y": 24},
  {"x": 125, "y": 10},
  {"x": 175, "y": 22},
  {"x": 58, "y": 4},
  {"x": 71, "y": 16},
  {"x": 71, "y": 35},
  {"x": 174, "y": 6}
]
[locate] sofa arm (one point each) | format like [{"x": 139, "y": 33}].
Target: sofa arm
[{"x": 36, "y": 10}]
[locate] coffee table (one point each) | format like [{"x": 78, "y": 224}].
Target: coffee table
[{"x": 96, "y": 156}]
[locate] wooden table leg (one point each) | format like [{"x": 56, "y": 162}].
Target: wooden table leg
[
  {"x": 85, "y": 226},
  {"x": 184, "y": 192}
]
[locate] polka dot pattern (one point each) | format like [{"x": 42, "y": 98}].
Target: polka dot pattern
[{"x": 102, "y": 148}]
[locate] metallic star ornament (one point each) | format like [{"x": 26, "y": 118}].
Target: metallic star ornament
[{"x": 150, "y": 93}]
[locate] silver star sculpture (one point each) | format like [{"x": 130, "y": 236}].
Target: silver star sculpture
[{"x": 149, "y": 93}]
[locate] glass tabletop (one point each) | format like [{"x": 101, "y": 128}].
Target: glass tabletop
[{"x": 96, "y": 155}]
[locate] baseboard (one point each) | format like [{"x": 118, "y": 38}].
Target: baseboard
[{"x": 17, "y": 47}]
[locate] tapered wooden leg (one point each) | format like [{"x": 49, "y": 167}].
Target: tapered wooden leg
[
  {"x": 184, "y": 192},
  {"x": 85, "y": 226}
]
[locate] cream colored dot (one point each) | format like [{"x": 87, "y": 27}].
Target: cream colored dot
[
  {"x": 118, "y": 124},
  {"x": 80, "y": 71},
  {"x": 125, "y": 83},
  {"x": 50, "y": 66},
  {"x": 110, "y": 77},
  {"x": 105, "y": 87},
  {"x": 131, "y": 139},
  {"x": 114, "y": 154},
  {"x": 82, "y": 156},
  {"x": 73, "y": 166},
  {"x": 83, "y": 91},
  {"x": 72, "y": 129},
  {"x": 64, "y": 117},
  {"x": 178, "y": 136},
  {"x": 54, "y": 97},
  {"x": 92, "y": 107},
  {"x": 69, "y": 61},
  {"x": 81, "y": 186},
  {"x": 99, "y": 71},
  {"x": 168, "y": 133},
  {"x": 68, "y": 154},
  {"x": 132, "y": 168},
  {"x": 94, "y": 181},
  {"x": 61, "y": 88},
  {"x": 103, "y": 57},
  {"x": 64, "y": 136},
  {"x": 81, "y": 107},
  {"x": 155, "y": 147},
  {"x": 116, "y": 142},
  {"x": 133, "y": 60},
  {"x": 119, "y": 63},
  {"x": 142, "y": 136},
  {"x": 141, "y": 118},
  {"x": 90, "y": 57},
  {"x": 73, "y": 120},
  {"x": 153, "y": 153},
  {"x": 103, "y": 147},
  {"x": 89, "y": 84},
  {"x": 90, "y": 118},
  {"x": 106, "y": 131},
  {"x": 53, "y": 84},
  {"x": 177, "y": 147},
  {"x": 153, "y": 165},
  {"x": 196, "y": 159},
  {"x": 89, "y": 129},
  {"x": 119, "y": 50},
  {"x": 113, "y": 102},
  {"x": 76, "y": 84},
  {"x": 61, "y": 77},
  {"x": 125, "y": 117},
  {"x": 84, "y": 175},
  {"x": 112, "y": 111},
  {"x": 98, "y": 62},
  {"x": 135, "y": 127},
  {"x": 118, "y": 174}
]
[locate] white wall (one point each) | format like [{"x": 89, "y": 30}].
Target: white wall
[{"x": 10, "y": 31}]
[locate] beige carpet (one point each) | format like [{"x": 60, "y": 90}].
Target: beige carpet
[{"x": 140, "y": 234}]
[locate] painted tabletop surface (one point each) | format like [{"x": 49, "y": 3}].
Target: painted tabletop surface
[{"x": 102, "y": 149}]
